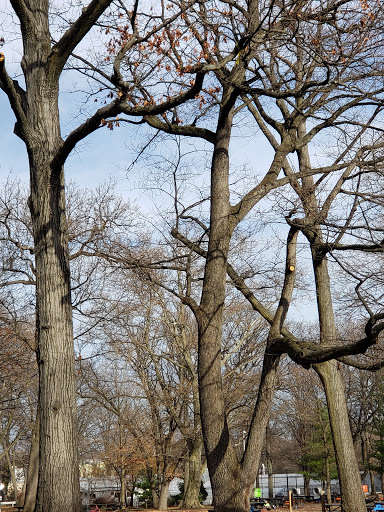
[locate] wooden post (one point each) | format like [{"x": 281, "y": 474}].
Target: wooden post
[{"x": 290, "y": 500}]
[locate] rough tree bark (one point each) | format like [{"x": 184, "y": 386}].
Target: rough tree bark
[
  {"x": 349, "y": 476},
  {"x": 221, "y": 456},
  {"x": 163, "y": 496},
  {"x": 58, "y": 466},
  {"x": 194, "y": 466},
  {"x": 57, "y": 394}
]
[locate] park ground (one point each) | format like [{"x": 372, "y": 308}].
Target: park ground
[{"x": 307, "y": 507}]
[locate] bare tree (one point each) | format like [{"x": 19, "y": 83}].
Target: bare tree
[
  {"x": 238, "y": 43},
  {"x": 311, "y": 68},
  {"x": 36, "y": 109}
]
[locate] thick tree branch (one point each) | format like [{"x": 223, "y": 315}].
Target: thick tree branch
[
  {"x": 362, "y": 366},
  {"x": 270, "y": 182},
  {"x": 377, "y": 248},
  {"x": 117, "y": 107},
  {"x": 16, "y": 96},
  {"x": 76, "y": 32},
  {"x": 187, "y": 130},
  {"x": 288, "y": 285},
  {"x": 307, "y": 353},
  {"x": 22, "y": 12}
]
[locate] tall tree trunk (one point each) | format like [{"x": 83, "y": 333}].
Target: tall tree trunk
[
  {"x": 306, "y": 484},
  {"x": 349, "y": 476},
  {"x": 59, "y": 487},
  {"x": 372, "y": 480},
  {"x": 330, "y": 375},
  {"x": 353, "y": 498},
  {"x": 232, "y": 481},
  {"x": 38, "y": 125},
  {"x": 163, "y": 496},
  {"x": 33, "y": 468},
  {"x": 193, "y": 467},
  {"x": 231, "y": 485},
  {"x": 193, "y": 482},
  {"x": 366, "y": 452},
  {"x": 123, "y": 499},
  {"x": 260, "y": 418},
  {"x": 155, "y": 498},
  {"x": 223, "y": 466}
]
